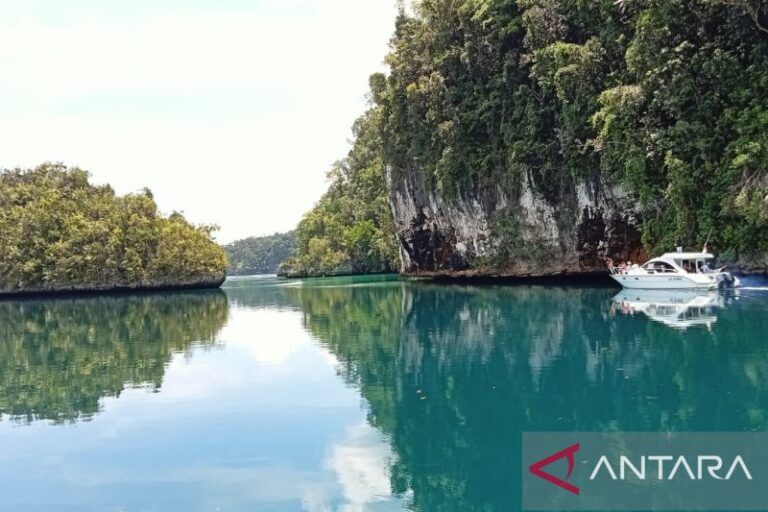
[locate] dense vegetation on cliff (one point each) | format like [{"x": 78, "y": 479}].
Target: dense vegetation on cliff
[
  {"x": 350, "y": 229},
  {"x": 260, "y": 254},
  {"x": 668, "y": 98},
  {"x": 59, "y": 232}
]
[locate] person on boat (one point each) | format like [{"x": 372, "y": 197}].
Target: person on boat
[
  {"x": 704, "y": 268},
  {"x": 623, "y": 267}
]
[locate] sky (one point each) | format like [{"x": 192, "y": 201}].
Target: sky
[{"x": 230, "y": 111}]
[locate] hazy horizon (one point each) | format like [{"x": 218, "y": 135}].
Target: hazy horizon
[{"x": 229, "y": 111}]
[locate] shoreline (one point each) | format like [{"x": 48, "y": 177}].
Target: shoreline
[
  {"x": 596, "y": 278},
  {"x": 110, "y": 290},
  {"x": 599, "y": 279},
  {"x": 351, "y": 274}
]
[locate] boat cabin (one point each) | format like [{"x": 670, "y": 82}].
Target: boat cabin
[{"x": 680, "y": 262}]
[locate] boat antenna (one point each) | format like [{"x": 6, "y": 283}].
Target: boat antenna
[{"x": 704, "y": 249}]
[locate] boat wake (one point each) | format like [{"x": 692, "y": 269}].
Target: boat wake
[{"x": 758, "y": 288}]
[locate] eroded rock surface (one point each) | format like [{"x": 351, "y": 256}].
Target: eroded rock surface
[{"x": 569, "y": 229}]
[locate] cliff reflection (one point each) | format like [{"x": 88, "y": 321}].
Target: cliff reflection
[
  {"x": 454, "y": 375},
  {"x": 59, "y": 357}
]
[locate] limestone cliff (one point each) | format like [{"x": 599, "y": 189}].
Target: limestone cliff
[{"x": 521, "y": 229}]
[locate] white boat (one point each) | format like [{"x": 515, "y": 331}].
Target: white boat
[
  {"x": 676, "y": 308},
  {"x": 674, "y": 271}
]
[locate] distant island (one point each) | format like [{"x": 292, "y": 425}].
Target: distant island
[
  {"x": 260, "y": 254},
  {"x": 60, "y": 233},
  {"x": 515, "y": 138}
]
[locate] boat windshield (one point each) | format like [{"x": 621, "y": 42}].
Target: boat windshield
[
  {"x": 694, "y": 266},
  {"x": 658, "y": 267}
]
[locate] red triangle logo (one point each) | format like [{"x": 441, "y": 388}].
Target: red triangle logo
[{"x": 536, "y": 468}]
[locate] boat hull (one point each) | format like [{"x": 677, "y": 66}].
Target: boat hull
[{"x": 663, "y": 282}]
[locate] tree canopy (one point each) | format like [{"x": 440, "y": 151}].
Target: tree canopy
[
  {"x": 260, "y": 255},
  {"x": 350, "y": 230},
  {"x": 59, "y": 232}
]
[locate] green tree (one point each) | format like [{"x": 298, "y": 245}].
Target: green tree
[
  {"x": 350, "y": 230},
  {"x": 260, "y": 255},
  {"x": 59, "y": 232}
]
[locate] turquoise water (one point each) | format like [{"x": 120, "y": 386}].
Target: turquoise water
[{"x": 351, "y": 394}]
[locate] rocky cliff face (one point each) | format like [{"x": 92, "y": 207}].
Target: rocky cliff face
[{"x": 523, "y": 229}]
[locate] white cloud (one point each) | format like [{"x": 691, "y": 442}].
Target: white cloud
[
  {"x": 280, "y": 335},
  {"x": 362, "y": 463}
]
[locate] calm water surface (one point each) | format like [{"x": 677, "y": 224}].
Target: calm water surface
[{"x": 351, "y": 394}]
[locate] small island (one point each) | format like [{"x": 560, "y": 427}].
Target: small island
[
  {"x": 260, "y": 254},
  {"x": 60, "y": 233}
]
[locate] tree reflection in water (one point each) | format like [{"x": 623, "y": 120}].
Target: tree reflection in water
[
  {"x": 59, "y": 357},
  {"x": 455, "y": 374},
  {"x": 452, "y": 375}
]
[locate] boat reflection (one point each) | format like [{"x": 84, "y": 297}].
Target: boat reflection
[{"x": 679, "y": 309}]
